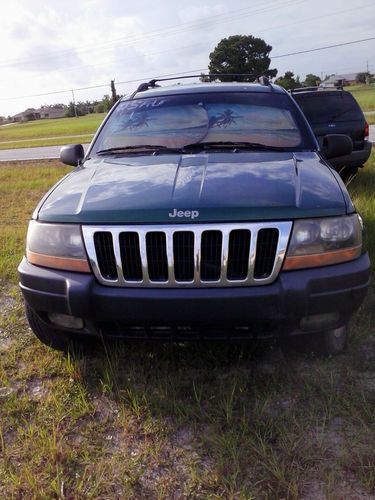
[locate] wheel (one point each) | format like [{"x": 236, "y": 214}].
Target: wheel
[
  {"x": 55, "y": 338},
  {"x": 324, "y": 344}
]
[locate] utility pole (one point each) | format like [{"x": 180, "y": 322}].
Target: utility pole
[
  {"x": 367, "y": 74},
  {"x": 74, "y": 104},
  {"x": 113, "y": 92}
]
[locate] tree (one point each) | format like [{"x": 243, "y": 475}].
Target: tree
[
  {"x": 312, "y": 80},
  {"x": 364, "y": 77},
  {"x": 80, "y": 107},
  {"x": 288, "y": 81},
  {"x": 241, "y": 54}
]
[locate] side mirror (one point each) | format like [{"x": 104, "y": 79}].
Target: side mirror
[
  {"x": 72, "y": 154},
  {"x": 335, "y": 145}
]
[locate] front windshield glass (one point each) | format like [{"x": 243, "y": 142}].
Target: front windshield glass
[{"x": 178, "y": 120}]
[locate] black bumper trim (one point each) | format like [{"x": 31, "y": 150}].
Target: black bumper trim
[{"x": 338, "y": 288}]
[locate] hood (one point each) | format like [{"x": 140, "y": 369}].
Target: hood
[{"x": 215, "y": 186}]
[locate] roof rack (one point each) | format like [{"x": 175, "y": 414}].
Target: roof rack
[
  {"x": 313, "y": 89},
  {"x": 263, "y": 80},
  {"x": 303, "y": 89}
]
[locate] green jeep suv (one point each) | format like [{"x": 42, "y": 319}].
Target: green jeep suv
[{"x": 199, "y": 211}]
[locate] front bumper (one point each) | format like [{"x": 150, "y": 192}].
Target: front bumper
[{"x": 253, "y": 311}]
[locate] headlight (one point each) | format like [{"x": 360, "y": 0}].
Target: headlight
[
  {"x": 59, "y": 246},
  {"x": 320, "y": 242}
]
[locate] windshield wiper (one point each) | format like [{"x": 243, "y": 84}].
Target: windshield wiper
[
  {"x": 188, "y": 148},
  {"x": 128, "y": 149},
  {"x": 231, "y": 145}
]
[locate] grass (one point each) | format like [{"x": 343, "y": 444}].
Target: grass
[
  {"x": 370, "y": 117},
  {"x": 178, "y": 420},
  {"x": 50, "y": 132},
  {"x": 364, "y": 94}
]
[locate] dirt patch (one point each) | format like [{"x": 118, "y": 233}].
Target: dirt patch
[
  {"x": 5, "y": 341},
  {"x": 106, "y": 409},
  {"x": 36, "y": 388},
  {"x": 7, "y": 303}
]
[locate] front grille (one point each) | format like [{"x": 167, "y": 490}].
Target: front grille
[{"x": 189, "y": 255}]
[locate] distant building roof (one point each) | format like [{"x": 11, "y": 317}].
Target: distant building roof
[{"x": 349, "y": 77}]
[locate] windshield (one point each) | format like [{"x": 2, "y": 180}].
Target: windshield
[
  {"x": 322, "y": 107},
  {"x": 176, "y": 121}
]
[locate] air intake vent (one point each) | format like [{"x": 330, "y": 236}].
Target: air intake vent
[
  {"x": 106, "y": 256},
  {"x": 130, "y": 256},
  {"x": 183, "y": 254},
  {"x": 266, "y": 252},
  {"x": 211, "y": 255},
  {"x": 157, "y": 256},
  {"x": 238, "y": 254}
]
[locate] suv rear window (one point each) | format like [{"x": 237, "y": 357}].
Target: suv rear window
[
  {"x": 178, "y": 120},
  {"x": 322, "y": 107}
]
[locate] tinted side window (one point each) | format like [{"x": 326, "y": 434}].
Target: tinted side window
[{"x": 323, "y": 108}]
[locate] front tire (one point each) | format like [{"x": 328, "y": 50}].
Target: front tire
[
  {"x": 324, "y": 344},
  {"x": 55, "y": 338}
]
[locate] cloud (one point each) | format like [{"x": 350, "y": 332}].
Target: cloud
[{"x": 48, "y": 46}]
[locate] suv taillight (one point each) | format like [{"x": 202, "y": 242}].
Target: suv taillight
[{"x": 367, "y": 130}]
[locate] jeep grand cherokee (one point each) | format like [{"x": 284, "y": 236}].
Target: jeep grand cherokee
[{"x": 199, "y": 211}]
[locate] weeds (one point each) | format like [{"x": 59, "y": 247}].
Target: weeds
[{"x": 177, "y": 420}]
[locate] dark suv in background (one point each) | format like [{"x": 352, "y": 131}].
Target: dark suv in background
[{"x": 336, "y": 112}]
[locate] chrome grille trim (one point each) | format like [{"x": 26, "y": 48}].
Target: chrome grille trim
[{"x": 283, "y": 228}]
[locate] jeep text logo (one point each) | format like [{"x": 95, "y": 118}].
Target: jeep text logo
[{"x": 192, "y": 214}]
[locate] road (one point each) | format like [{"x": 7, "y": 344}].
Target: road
[
  {"x": 54, "y": 151},
  {"x": 44, "y": 153}
]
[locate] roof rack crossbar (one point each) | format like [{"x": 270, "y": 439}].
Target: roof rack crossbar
[{"x": 263, "y": 80}]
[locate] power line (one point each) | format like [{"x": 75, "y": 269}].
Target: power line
[
  {"x": 185, "y": 72},
  {"x": 100, "y": 86},
  {"x": 174, "y": 49},
  {"x": 171, "y": 30},
  {"x": 108, "y": 63},
  {"x": 323, "y": 48}
]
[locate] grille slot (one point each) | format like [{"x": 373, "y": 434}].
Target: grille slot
[
  {"x": 157, "y": 256},
  {"x": 187, "y": 255},
  {"x": 266, "y": 252},
  {"x": 130, "y": 256},
  {"x": 106, "y": 256},
  {"x": 211, "y": 255},
  {"x": 183, "y": 255},
  {"x": 238, "y": 254}
]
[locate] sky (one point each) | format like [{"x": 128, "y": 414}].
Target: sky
[{"x": 53, "y": 45}]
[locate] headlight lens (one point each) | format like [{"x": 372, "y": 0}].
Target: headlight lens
[
  {"x": 56, "y": 245},
  {"x": 319, "y": 242}
]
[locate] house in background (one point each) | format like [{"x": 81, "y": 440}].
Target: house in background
[
  {"x": 54, "y": 111},
  {"x": 334, "y": 81},
  {"x": 26, "y": 116}
]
